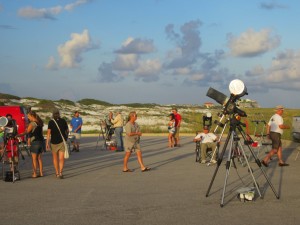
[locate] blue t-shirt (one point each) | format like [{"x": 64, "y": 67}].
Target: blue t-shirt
[{"x": 76, "y": 122}]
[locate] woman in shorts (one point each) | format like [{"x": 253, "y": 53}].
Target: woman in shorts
[
  {"x": 132, "y": 142},
  {"x": 35, "y": 142},
  {"x": 57, "y": 144}
]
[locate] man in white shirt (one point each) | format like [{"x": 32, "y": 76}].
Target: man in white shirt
[
  {"x": 208, "y": 140},
  {"x": 274, "y": 131}
]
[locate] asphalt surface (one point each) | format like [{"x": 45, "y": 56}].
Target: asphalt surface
[{"x": 96, "y": 191}]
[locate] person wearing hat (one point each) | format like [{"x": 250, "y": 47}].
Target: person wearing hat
[
  {"x": 208, "y": 140},
  {"x": 275, "y": 128},
  {"x": 57, "y": 127}
]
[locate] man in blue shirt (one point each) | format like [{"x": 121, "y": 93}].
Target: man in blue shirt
[{"x": 76, "y": 124}]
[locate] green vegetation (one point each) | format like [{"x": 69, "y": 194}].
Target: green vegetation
[
  {"x": 88, "y": 101},
  {"x": 46, "y": 105},
  {"x": 8, "y": 96},
  {"x": 66, "y": 102}
]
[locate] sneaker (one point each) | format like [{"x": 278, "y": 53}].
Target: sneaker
[
  {"x": 203, "y": 161},
  {"x": 213, "y": 161}
]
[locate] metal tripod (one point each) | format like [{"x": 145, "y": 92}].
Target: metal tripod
[{"x": 234, "y": 126}]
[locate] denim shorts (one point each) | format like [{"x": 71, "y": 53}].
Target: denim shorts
[{"x": 37, "y": 147}]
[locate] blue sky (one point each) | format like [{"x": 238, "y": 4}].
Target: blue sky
[{"x": 150, "y": 51}]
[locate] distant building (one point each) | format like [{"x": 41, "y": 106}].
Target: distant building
[
  {"x": 208, "y": 104},
  {"x": 248, "y": 103}
]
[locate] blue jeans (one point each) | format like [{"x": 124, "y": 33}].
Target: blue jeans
[{"x": 119, "y": 138}]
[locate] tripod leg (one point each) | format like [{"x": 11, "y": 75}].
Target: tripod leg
[
  {"x": 228, "y": 164},
  {"x": 258, "y": 163},
  {"x": 219, "y": 161},
  {"x": 250, "y": 169}
]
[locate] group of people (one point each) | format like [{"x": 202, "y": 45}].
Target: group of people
[
  {"x": 58, "y": 130},
  {"x": 57, "y": 133},
  {"x": 275, "y": 128}
]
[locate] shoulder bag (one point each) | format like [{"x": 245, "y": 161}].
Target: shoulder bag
[{"x": 65, "y": 143}]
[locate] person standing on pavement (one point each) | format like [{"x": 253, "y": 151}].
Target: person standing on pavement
[
  {"x": 177, "y": 126},
  {"x": 36, "y": 142},
  {"x": 132, "y": 142},
  {"x": 118, "y": 126},
  {"x": 76, "y": 124},
  {"x": 54, "y": 137},
  {"x": 274, "y": 131}
]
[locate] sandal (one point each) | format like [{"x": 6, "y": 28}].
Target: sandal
[
  {"x": 34, "y": 176},
  {"x": 146, "y": 169},
  {"x": 61, "y": 176},
  {"x": 128, "y": 170}
]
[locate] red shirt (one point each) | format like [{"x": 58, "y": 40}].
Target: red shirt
[{"x": 177, "y": 119}]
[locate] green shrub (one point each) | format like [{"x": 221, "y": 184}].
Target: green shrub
[
  {"x": 88, "y": 101},
  {"x": 8, "y": 96},
  {"x": 66, "y": 102}
]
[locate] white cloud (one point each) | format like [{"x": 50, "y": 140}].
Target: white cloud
[
  {"x": 48, "y": 13},
  {"x": 252, "y": 43},
  {"x": 73, "y": 5},
  {"x": 71, "y": 51},
  {"x": 285, "y": 67},
  {"x": 136, "y": 46},
  {"x": 148, "y": 67},
  {"x": 43, "y": 13},
  {"x": 126, "y": 62}
]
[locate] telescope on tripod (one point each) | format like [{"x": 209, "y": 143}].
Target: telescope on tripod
[
  {"x": 232, "y": 115},
  {"x": 11, "y": 151}
]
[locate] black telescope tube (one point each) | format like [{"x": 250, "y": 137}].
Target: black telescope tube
[{"x": 217, "y": 96}]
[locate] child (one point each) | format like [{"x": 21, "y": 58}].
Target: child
[{"x": 172, "y": 130}]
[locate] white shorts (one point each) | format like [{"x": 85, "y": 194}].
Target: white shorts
[{"x": 77, "y": 136}]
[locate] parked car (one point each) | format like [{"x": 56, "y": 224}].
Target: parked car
[{"x": 19, "y": 114}]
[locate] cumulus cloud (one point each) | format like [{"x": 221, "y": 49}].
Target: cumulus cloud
[
  {"x": 106, "y": 74},
  {"x": 252, "y": 43},
  {"x": 48, "y": 13},
  {"x": 126, "y": 62},
  {"x": 188, "y": 43},
  {"x": 70, "y": 52},
  {"x": 42, "y": 13},
  {"x": 285, "y": 68},
  {"x": 129, "y": 62},
  {"x": 136, "y": 46},
  {"x": 148, "y": 70}
]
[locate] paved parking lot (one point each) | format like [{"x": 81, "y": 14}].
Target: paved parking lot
[{"x": 96, "y": 191}]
